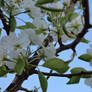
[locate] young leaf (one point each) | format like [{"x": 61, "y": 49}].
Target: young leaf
[
  {"x": 51, "y": 9},
  {"x": 85, "y": 57},
  {"x": 40, "y": 2},
  {"x": 84, "y": 40},
  {"x": 79, "y": 70},
  {"x": 57, "y": 65},
  {"x": 30, "y": 16},
  {"x": 3, "y": 71},
  {"x": 43, "y": 81},
  {"x": 22, "y": 27},
  {"x": 19, "y": 67},
  {"x": 74, "y": 80},
  {"x": 30, "y": 25}
]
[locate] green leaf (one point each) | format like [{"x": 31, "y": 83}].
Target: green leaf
[
  {"x": 43, "y": 81},
  {"x": 39, "y": 31},
  {"x": 12, "y": 24},
  {"x": 74, "y": 80},
  {"x": 51, "y": 9},
  {"x": 30, "y": 25},
  {"x": 85, "y": 57},
  {"x": 84, "y": 40},
  {"x": 30, "y": 16},
  {"x": 3, "y": 71},
  {"x": 79, "y": 70},
  {"x": 19, "y": 67},
  {"x": 57, "y": 65},
  {"x": 40, "y": 2},
  {"x": 22, "y": 27}
]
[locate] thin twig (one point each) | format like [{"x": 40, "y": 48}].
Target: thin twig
[{"x": 65, "y": 75}]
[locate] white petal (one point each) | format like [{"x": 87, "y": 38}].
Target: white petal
[
  {"x": 10, "y": 65},
  {"x": 88, "y": 82}
]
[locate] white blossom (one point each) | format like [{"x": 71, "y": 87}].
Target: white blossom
[
  {"x": 55, "y": 36},
  {"x": 15, "y": 6},
  {"x": 54, "y": 5},
  {"x": 35, "y": 38},
  {"x": 49, "y": 51},
  {"x": 20, "y": 42},
  {"x": 10, "y": 64},
  {"x": 65, "y": 38},
  {"x": 89, "y": 51},
  {"x": 76, "y": 25},
  {"x": 38, "y": 22},
  {"x": 67, "y": 2},
  {"x": 88, "y": 82},
  {"x": 3, "y": 42},
  {"x": 35, "y": 11},
  {"x": 13, "y": 55},
  {"x": 58, "y": 4},
  {"x": 90, "y": 63},
  {"x": 3, "y": 55}
]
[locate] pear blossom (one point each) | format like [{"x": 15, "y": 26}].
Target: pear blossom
[
  {"x": 55, "y": 5},
  {"x": 13, "y": 55},
  {"x": 88, "y": 82},
  {"x": 35, "y": 38},
  {"x": 19, "y": 42},
  {"x": 91, "y": 62},
  {"x": 49, "y": 51},
  {"x": 3, "y": 55},
  {"x": 58, "y": 4},
  {"x": 38, "y": 22},
  {"x": 3, "y": 42},
  {"x": 30, "y": 4},
  {"x": 54, "y": 35},
  {"x": 76, "y": 25},
  {"x": 67, "y": 2},
  {"x": 65, "y": 38},
  {"x": 15, "y": 6},
  {"x": 89, "y": 51},
  {"x": 10, "y": 64}
]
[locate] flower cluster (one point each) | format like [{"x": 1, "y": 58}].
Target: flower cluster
[
  {"x": 17, "y": 44},
  {"x": 13, "y": 45},
  {"x": 42, "y": 36}
]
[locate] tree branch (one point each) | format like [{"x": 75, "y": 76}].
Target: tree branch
[
  {"x": 87, "y": 25},
  {"x": 24, "y": 89},
  {"x": 74, "y": 43},
  {"x": 65, "y": 75},
  {"x": 19, "y": 79},
  {"x": 4, "y": 22}
]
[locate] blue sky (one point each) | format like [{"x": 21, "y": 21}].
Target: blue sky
[{"x": 58, "y": 84}]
